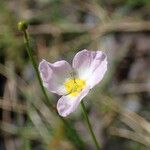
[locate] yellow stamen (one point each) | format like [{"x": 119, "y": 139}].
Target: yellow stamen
[{"x": 74, "y": 86}]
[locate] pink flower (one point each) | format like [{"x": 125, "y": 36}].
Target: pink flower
[{"x": 73, "y": 83}]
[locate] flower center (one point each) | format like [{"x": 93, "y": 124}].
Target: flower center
[{"x": 74, "y": 86}]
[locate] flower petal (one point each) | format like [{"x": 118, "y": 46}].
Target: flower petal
[
  {"x": 54, "y": 75},
  {"x": 68, "y": 104},
  {"x": 91, "y": 66}
]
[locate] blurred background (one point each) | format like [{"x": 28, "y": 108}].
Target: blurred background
[{"x": 119, "y": 107}]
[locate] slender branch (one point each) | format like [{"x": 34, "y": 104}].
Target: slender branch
[
  {"x": 22, "y": 26},
  {"x": 35, "y": 66},
  {"x": 89, "y": 126},
  {"x": 43, "y": 90}
]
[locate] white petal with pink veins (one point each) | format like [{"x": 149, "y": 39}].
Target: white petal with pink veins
[
  {"x": 90, "y": 66},
  {"x": 68, "y": 104},
  {"x": 54, "y": 75}
]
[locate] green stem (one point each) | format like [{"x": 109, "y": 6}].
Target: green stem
[
  {"x": 89, "y": 126},
  {"x": 72, "y": 131},
  {"x": 29, "y": 50}
]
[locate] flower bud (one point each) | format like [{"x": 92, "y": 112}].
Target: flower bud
[{"x": 22, "y": 26}]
